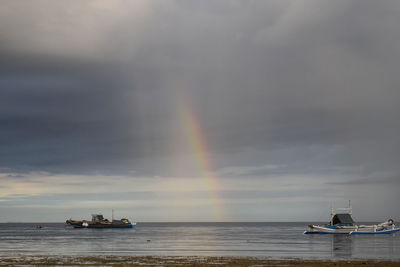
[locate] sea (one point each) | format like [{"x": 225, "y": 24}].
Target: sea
[{"x": 241, "y": 239}]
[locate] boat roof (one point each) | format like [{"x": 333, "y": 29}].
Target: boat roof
[{"x": 342, "y": 218}]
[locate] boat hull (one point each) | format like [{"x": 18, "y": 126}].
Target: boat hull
[
  {"x": 382, "y": 232},
  {"x": 353, "y": 230},
  {"x": 316, "y": 229},
  {"x": 84, "y": 224}
]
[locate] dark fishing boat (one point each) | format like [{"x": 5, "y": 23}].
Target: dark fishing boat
[{"x": 99, "y": 222}]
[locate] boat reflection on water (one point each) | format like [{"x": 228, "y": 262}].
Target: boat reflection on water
[{"x": 341, "y": 246}]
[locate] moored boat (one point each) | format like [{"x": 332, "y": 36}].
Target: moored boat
[
  {"x": 343, "y": 223},
  {"x": 99, "y": 222}
]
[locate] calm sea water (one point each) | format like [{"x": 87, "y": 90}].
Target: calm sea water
[{"x": 275, "y": 240}]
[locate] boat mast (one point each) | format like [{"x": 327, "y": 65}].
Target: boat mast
[
  {"x": 350, "y": 209},
  {"x": 112, "y": 216}
]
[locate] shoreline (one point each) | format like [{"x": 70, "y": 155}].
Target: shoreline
[{"x": 198, "y": 261}]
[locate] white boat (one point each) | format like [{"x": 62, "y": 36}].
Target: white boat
[{"x": 343, "y": 223}]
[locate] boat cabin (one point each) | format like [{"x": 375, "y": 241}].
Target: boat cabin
[
  {"x": 342, "y": 219},
  {"x": 97, "y": 217}
]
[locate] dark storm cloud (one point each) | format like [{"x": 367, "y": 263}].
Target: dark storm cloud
[
  {"x": 308, "y": 85},
  {"x": 72, "y": 117}
]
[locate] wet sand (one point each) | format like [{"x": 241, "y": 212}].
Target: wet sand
[{"x": 23, "y": 260}]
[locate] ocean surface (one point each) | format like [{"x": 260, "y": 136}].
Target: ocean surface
[{"x": 274, "y": 240}]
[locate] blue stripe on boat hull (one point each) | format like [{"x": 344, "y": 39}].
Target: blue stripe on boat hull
[{"x": 376, "y": 233}]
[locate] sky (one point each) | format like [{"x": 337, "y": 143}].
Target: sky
[{"x": 183, "y": 110}]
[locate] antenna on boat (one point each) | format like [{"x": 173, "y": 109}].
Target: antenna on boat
[
  {"x": 350, "y": 209},
  {"x": 112, "y": 216}
]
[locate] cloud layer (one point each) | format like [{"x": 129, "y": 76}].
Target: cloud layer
[{"x": 280, "y": 89}]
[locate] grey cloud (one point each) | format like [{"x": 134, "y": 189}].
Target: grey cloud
[
  {"x": 20, "y": 200},
  {"x": 316, "y": 78},
  {"x": 310, "y": 86},
  {"x": 15, "y": 176},
  {"x": 58, "y": 199},
  {"x": 375, "y": 179}
]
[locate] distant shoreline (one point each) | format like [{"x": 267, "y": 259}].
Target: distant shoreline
[{"x": 33, "y": 260}]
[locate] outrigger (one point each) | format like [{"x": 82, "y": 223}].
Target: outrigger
[
  {"x": 99, "y": 222},
  {"x": 343, "y": 223}
]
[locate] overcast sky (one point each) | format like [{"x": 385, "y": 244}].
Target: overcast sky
[{"x": 296, "y": 103}]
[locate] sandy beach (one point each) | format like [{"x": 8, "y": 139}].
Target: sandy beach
[{"x": 24, "y": 260}]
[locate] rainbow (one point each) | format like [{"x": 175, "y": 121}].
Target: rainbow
[{"x": 198, "y": 144}]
